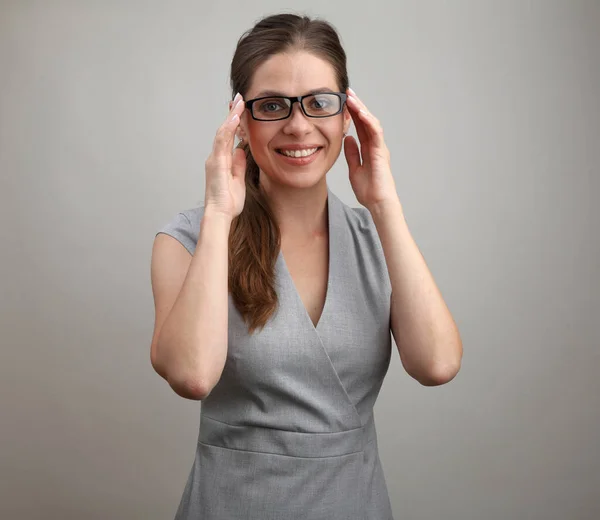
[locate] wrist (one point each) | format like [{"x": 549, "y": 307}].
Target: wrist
[
  {"x": 385, "y": 206},
  {"x": 216, "y": 215}
]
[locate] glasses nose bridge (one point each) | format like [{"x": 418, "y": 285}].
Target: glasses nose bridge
[{"x": 297, "y": 99}]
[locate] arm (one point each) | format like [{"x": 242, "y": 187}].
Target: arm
[
  {"x": 425, "y": 333},
  {"x": 427, "y": 338},
  {"x": 189, "y": 344}
]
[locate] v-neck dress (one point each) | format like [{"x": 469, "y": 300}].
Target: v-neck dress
[{"x": 288, "y": 432}]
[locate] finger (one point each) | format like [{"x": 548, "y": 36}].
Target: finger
[
  {"x": 362, "y": 114},
  {"x": 371, "y": 123},
  {"x": 356, "y": 101},
  {"x": 353, "y": 95},
  {"x": 223, "y": 141},
  {"x": 373, "y": 127},
  {"x": 225, "y": 135},
  {"x": 358, "y": 122},
  {"x": 233, "y": 103},
  {"x": 352, "y": 153},
  {"x": 238, "y": 167}
]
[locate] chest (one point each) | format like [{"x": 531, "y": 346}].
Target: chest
[
  {"x": 309, "y": 270},
  {"x": 312, "y": 375}
]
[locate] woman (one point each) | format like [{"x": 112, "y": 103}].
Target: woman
[{"x": 275, "y": 300}]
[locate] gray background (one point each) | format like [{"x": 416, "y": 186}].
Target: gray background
[{"x": 491, "y": 112}]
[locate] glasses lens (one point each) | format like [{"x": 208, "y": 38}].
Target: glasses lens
[
  {"x": 271, "y": 108},
  {"x": 322, "y": 105}
]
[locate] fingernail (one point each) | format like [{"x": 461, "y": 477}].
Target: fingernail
[
  {"x": 351, "y": 91},
  {"x": 236, "y": 98}
]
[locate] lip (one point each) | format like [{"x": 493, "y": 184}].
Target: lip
[
  {"x": 298, "y": 146},
  {"x": 300, "y": 161}
]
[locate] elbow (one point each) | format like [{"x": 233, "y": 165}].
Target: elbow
[
  {"x": 183, "y": 386},
  {"x": 444, "y": 370},
  {"x": 189, "y": 388},
  {"x": 156, "y": 364},
  {"x": 438, "y": 376},
  {"x": 439, "y": 373}
]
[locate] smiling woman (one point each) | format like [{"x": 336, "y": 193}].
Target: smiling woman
[
  {"x": 294, "y": 101},
  {"x": 276, "y": 310}
]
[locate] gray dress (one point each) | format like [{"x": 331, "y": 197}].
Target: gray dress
[{"x": 288, "y": 432}]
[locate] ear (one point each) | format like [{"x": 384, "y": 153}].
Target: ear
[
  {"x": 347, "y": 119},
  {"x": 241, "y": 131}
]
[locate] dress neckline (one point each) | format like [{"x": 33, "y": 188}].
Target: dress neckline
[{"x": 332, "y": 239}]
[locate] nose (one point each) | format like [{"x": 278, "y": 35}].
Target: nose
[{"x": 298, "y": 123}]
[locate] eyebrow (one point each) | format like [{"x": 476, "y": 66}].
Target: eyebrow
[{"x": 276, "y": 93}]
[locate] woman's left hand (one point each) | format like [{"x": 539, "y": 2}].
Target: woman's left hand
[{"x": 371, "y": 179}]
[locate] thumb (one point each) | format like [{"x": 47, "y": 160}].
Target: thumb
[{"x": 352, "y": 153}]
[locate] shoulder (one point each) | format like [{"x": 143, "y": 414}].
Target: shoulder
[
  {"x": 360, "y": 223},
  {"x": 184, "y": 227},
  {"x": 366, "y": 243},
  {"x": 362, "y": 217}
]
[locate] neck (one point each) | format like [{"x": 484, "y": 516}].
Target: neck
[{"x": 301, "y": 213}]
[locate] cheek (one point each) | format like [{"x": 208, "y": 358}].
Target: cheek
[
  {"x": 334, "y": 131},
  {"x": 260, "y": 137}
]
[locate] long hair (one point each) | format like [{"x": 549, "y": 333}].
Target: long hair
[{"x": 255, "y": 239}]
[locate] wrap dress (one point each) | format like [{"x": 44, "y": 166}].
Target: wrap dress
[{"x": 288, "y": 432}]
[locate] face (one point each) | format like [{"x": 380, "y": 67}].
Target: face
[{"x": 294, "y": 74}]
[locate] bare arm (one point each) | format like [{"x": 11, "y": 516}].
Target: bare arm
[{"x": 189, "y": 345}]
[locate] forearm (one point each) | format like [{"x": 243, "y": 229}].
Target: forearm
[
  {"x": 425, "y": 333},
  {"x": 193, "y": 340}
]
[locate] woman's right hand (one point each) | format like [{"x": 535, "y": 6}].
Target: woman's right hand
[{"x": 226, "y": 171}]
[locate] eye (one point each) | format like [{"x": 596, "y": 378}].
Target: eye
[
  {"x": 269, "y": 106},
  {"x": 272, "y": 105},
  {"x": 320, "y": 103}
]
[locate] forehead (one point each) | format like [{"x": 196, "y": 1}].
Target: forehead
[{"x": 292, "y": 74}]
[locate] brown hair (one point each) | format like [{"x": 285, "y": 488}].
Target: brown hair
[{"x": 255, "y": 239}]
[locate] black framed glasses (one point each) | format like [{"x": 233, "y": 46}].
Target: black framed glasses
[{"x": 276, "y": 108}]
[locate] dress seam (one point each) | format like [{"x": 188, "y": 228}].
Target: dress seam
[
  {"x": 279, "y": 429},
  {"x": 280, "y": 454}
]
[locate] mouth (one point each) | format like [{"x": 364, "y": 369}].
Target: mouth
[
  {"x": 299, "y": 157},
  {"x": 295, "y": 154}
]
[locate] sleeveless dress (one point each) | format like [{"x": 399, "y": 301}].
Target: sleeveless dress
[{"x": 288, "y": 432}]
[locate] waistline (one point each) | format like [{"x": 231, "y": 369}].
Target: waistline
[{"x": 285, "y": 442}]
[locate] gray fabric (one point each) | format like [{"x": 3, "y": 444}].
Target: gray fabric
[{"x": 288, "y": 432}]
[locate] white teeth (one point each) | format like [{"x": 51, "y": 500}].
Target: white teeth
[{"x": 299, "y": 153}]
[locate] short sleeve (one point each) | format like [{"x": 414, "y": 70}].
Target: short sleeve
[
  {"x": 367, "y": 224},
  {"x": 185, "y": 228}
]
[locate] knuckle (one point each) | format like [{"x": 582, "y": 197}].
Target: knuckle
[
  {"x": 223, "y": 136},
  {"x": 219, "y": 136}
]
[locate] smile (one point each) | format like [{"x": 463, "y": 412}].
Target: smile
[
  {"x": 298, "y": 153},
  {"x": 299, "y": 157}
]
